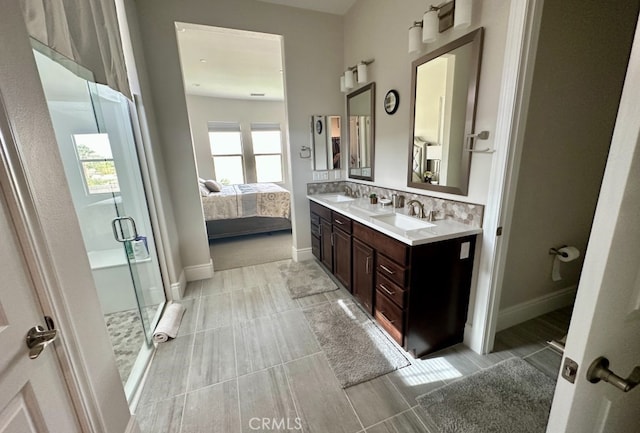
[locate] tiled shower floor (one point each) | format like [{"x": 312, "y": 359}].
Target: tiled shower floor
[
  {"x": 127, "y": 336},
  {"x": 245, "y": 356}
]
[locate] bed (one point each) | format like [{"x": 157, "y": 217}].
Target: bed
[{"x": 238, "y": 210}]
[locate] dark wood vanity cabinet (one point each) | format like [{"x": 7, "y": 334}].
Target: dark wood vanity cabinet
[
  {"x": 342, "y": 249},
  {"x": 362, "y": 272},
  {"x": 418, "y": 294},
  {"x": 331, "y": 242}
]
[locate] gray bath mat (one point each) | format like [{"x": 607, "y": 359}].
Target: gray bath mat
[
  {"x": 356, "y": 348},
  {"x": 511, "y": 396},
  {"x": 306, "y": 278}
]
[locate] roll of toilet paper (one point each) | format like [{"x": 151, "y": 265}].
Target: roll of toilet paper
[{"x": 565, "y": 254}]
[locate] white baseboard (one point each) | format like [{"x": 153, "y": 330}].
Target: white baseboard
[
  {"x": 517, "y": 314},
  {"x": 177, "y": 289},
  {"x": 132, "y": 426},
  {"x": 301, "y": 255},
  {"x": 199, "y": 272}
]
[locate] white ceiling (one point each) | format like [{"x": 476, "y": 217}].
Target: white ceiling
[
  {"x": 228, "y": 63},
  {"x": 337, "y": 7}
]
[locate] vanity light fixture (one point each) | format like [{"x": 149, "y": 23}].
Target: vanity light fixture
[
  {"x": 437, "y": 19},
  {"x": 361, "y": 71},
  {"x": 357, "y": 73},
  {"x": 415, "y": 37},
  {"x": 348, "y": 79},
  {"x": 430, "y": 25}
]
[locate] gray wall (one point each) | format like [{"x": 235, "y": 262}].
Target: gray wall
[
  {"x": 142, "y": 92},
  {"x": 379, "y": 29},
  {"x": 313, "y": 44},
  {"x": 578, "y": 77}
]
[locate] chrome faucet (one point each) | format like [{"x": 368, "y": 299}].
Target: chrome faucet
[
  {"x": 348, "y": 191},
  {"x": 412, "y": 210}
]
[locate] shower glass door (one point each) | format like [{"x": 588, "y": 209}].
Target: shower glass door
[{"x": 95, "y": 138}]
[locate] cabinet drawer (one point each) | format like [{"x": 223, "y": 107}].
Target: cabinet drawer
[
  {"x": 315, "y": 247},
  {"x": 390, "y": 247},
  {"x": 391, "y": 289},
  {"x": 315, "y": 219},
  {"x": 391, "y": 270},
  {"x": 315, "y": 229},
  {"x": 389, "y": 316},
  {"x": 320, "y": 210},
  {"x": 342, "y": 222}
]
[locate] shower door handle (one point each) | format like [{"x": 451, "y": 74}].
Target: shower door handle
[{"x": 117, "y": 224}]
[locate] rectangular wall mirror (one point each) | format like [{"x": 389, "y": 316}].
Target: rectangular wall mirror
[
  {"x": 361, "y": 116},
  {"x": 325, "y": 133},
  {"x": 443, "y": 104}
]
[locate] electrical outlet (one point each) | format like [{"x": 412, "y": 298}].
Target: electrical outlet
[{"x": 320, "y": 175}]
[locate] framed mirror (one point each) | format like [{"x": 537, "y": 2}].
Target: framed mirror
[
  {"x": 361, "y": 116},
  {"x": 444, "y": 87},
  {"x": 326, "y": 145}
]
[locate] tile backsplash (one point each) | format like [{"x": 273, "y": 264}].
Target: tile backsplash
[{"x": 466, "y": 213}]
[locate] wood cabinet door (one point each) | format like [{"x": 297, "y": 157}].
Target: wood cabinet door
[
  {"x": 342, "y": 257},
  {"x": 363, "y": 267},
  {"x": 326, "y": 244}
]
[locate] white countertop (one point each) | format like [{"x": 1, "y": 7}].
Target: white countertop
[{"x": 362, "y": 211}]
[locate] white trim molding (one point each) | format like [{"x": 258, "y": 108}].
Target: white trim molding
[
  {"x": 133, "y": 426},
  {"x": 198, "y": 272},
  {"x": 302, "y": 254},
  {"x": 178, "y": 288},
  {"x": 519, "y": 59},
  {"x": 517, "y": 314}
]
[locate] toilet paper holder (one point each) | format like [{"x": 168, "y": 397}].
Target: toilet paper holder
[{"x": 557, "y": 252}]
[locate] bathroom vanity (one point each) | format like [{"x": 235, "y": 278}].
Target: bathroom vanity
[{"x": 411, "y": 275}]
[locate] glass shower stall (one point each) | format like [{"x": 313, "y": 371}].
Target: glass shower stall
[{"x": 94, "y": 132}]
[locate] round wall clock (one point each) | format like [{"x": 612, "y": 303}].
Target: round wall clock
[
  {"x": 319, "y": 126},
  {"x": 391, "y": 101}
]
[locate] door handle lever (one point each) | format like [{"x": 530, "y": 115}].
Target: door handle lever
[
  {"x": 38, "y": 338},
  {"x": 599, "y": 370}
]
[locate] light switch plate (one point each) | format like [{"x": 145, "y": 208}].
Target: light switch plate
[{"x": 464, "y": 250}]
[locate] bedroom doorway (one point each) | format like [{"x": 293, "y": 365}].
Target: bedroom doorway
[
  {"x": 96, "y": 144},
  {"x": 234, "y": 89}
]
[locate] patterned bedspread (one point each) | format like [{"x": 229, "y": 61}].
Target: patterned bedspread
[{"x": 247, "y": 200}]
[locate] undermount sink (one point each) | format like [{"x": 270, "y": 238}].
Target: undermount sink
[
  {"x": 336, "y": 198},
  {"x": 402, "y": 222}
]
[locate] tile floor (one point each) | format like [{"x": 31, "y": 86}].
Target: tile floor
[{"x": 246, "y": 361}]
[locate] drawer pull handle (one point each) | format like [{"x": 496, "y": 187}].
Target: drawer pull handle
[
  {"x": 384, "y": 316},
  {"x": 387, "y": 270},
  {"x": 367, "y": 265},
  {"x": 338, "y": 221},
  {"x": 389, "y": 292}
]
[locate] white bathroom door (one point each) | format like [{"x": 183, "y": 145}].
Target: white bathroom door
[
  {"x": 33, "y": 394},
  {"x": 606, "y": 316}
]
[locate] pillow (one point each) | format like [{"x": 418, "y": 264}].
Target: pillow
[
  {"x": 201, "y": 180},
  {"x": 204, "y": 192},
  {"x": 213, "y": 185}
]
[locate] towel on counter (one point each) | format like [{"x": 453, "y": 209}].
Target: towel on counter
[{"x": 169, "y": 323}]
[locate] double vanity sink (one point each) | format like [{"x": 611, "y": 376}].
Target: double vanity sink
[
  {"x": 412, "y": 275},
  {"x": 394, "y": 222}
]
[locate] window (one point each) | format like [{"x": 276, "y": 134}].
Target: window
[
  {"x": 226, "y": 149},
  {"x": 267, "y": 151},
  {"x": 96, "y": 161}
]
